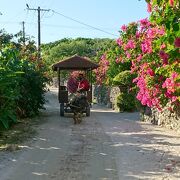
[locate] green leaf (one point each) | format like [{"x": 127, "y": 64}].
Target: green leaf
[
  {"x": 158, "y": 2},
  {"x": 13, "y": 117},
  {"x": 19, "y": 72},
  {"x": 168, "y": 25},
  {"x": 176, "y": 27},
  {"x": 4, "y": 120},
  {"x": 171, "y": 39}
]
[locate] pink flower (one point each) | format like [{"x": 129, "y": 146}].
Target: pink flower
[
  {"x": 149, "y": 103},
  {"x": 139, "y": 96},
  {"x": 130, "y": 45},
  {"x": 137, "y": 34},
  {"x": 167, "y": 83},
  {"x": 165, "y": 62},
  {"x": 144, "y": 23},
  {"x": 155, "y": 91},
  {"x": 174, "y": 98},
  {"x": 174, "y": 75},
  {"x": 177, "y": 42},
  {"x": 170, "y": 84},
  {"x": 139, "y": 57},
  {"x": 168, "y": 94},
  {"x": 170, "y": 109},
  {"x": 171, "y": 3},
  {"x": 161, "y": 31},
  {"x": 146, "y": 46},
  {"x": 103, "y": 57},
  {"x": 149, "y": 8},
  {"x": 119, "y": 42},
  {"x": 160, "y": 78},
  {"x": 123, "y": 27},
  {"x": 107, "y": 63},
  {"x": 144, "y": 100},
  {"x": 150, "y": 72},
  {"x": 164, "y": 57},
  {"x": 128, "y": 55},
  {"x": 163, "y": 46},
  {"x": 155, "y": 101},
  {"x": 117, "y": 60},
  {"x": 135, "y": 80},
  {"x": 151, "y": 33}
]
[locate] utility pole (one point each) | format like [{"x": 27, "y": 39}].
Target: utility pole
[
  {"x": 39, "y": 27},
  {"x": 23, "y": 32}
]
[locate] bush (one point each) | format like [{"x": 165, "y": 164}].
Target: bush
[
  {"x": 9, "y": 87},
  {"x": 126, "y": 102},
  {"x": 32, "y": 88},
  {"x": 124, "y": 78},
  {"x": 22, "y": 82}
]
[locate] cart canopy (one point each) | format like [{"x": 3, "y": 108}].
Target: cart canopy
[{"x": 75, "y": 63}]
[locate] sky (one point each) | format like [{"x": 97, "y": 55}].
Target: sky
[{"x": 61, "y": 21}]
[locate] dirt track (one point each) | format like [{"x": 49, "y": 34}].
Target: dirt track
[{"x": 106, "y": 146}]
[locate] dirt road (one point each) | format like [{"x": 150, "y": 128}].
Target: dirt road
[{"x": 106, "y": 146}]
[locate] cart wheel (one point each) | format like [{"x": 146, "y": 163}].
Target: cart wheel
[
  {"x": 62, "y": 109},
  {"x": 88, "y": 111}
]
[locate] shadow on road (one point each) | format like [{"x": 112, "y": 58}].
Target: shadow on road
[{"x": 143, "y": 151}]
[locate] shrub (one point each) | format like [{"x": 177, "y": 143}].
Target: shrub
[
  {"x": 32, "y": 88},
  {"x": 9, "y": 87},
  {"x": 124, "y": 78},
  {"x": 126, "y": 102},
  {"x": 22, "y": 81}
]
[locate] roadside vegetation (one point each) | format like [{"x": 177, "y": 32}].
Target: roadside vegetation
[{"x": 22, "y": 86}]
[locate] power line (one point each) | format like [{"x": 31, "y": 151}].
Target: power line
[
  {"x": 53, "y": 25},
  {"x": 92, "y": 27},
  {"x": 70, "y": 27}
]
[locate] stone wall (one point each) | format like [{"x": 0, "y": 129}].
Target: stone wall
[
  {"x": 113, "y": 94},
  {"x": 166, "y": 118},
  {"x": 106, "y": 95}
]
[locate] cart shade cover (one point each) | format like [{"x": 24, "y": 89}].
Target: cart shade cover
[{"x": 75, "y": 63}]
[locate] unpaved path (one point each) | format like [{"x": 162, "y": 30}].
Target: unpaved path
[{"x": 106, "y": 146}]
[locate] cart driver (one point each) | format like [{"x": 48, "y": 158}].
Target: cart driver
[{"x": 83, "y": 84}]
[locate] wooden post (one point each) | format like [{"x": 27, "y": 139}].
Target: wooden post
[{"x": 59, "y": 79}]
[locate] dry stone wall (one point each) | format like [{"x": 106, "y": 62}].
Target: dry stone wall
[{"x": 166, "y": 118}]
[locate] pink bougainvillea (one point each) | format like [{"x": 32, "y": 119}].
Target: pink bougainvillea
[
  {"x": 101, "y": 71},
  {"x": 164, "y": 56},
  {"x": 123, "y": 27},
  {"x": 177, "y": 42},
  {"x": 152, "y": 48},
  {"x": 146, "y": 46},
  {"x": 171, "y": 3},
  {"x": 144, "y": 23},
  {"x": 119, "y": 42},
  {"x": 130, "y": 45},
  {"x": 149, "y": 8}
]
